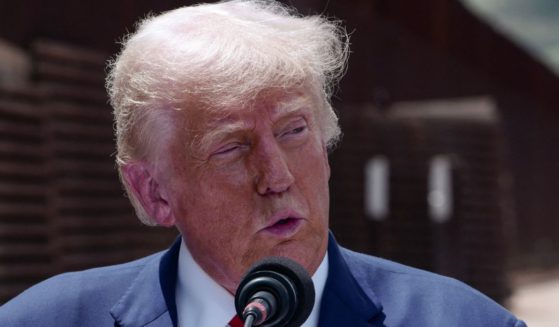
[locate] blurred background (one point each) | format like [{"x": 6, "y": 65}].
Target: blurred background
[{"x": 448, "y": 163}]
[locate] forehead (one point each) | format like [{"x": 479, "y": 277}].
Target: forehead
[{"x": 272, "y": 104}]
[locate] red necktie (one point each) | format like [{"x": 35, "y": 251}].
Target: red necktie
[{"x": 236, "y": 322}]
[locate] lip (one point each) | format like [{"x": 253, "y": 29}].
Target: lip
[{"x": 284, "y": 224}]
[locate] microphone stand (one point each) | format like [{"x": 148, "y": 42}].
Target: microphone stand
[{"x": 249, "y": 320}]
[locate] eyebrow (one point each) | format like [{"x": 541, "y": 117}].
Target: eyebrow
[
  {"x": 297, "y": 104},
  {"x": 216, "y": 131},
  {"x": 221, "y": 128}
]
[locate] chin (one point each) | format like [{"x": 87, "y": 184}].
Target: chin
[{"x": 309, "y": 256}]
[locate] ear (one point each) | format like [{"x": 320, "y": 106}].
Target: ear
[{"x": 141, "y": 179}]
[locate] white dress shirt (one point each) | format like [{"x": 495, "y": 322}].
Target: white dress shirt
[{"x": 203, "y": 302}]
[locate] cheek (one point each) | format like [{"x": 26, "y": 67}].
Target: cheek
[
  {"x": 312, "y": 174},
  {"x": 312, "y": 165},
  {"x": 213, "y": 200},
  {"x": 233, "y": 176}
]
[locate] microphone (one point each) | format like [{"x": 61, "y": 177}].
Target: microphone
[{"x": 275, "y": 292}]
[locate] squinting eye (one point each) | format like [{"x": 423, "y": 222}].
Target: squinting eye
[
  {"x": 298, "y": 130},
  {"x": 295, "y": 131},
  {"x": 228, "y": 149}
]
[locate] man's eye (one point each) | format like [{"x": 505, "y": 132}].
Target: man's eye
[
  {"x": 295, "y": 131},
  {"x": 228, "y": 149},
  {"x": 298, "y": 130}
]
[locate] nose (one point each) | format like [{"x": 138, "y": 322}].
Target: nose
[{"x": 273, "y": 174}]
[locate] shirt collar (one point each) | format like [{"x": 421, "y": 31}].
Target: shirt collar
[
  {"x": 203, "y": 302},
  {"x": 319, "y": 280},
  {"x": 200, "y": 300}
]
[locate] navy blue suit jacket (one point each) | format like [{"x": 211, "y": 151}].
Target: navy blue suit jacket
[{"x": 360, "y": 290}]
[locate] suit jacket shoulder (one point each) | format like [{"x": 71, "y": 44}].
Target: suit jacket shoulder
[
  {"x": 80, "y": 298},
  {"x": 413, "y": 297}
]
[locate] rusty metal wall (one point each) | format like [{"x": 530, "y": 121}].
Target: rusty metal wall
[
  {"x": 473, "y": 244},
  {"x": 62, "y": 207}
]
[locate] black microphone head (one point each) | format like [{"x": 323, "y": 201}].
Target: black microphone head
[{"x": 288, "y": 281}]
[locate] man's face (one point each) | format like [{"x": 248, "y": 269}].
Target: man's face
[{"x": 249, "y": 184}]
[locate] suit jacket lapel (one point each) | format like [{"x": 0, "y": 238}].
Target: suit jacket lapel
[
  {"x": 345, "y": 302},
  {"x": 148, "y": 303}
]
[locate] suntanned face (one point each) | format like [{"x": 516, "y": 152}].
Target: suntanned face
[{"x": 249, "y": 184}]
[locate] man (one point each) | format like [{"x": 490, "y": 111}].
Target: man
[{"x": 223, "y": 126}]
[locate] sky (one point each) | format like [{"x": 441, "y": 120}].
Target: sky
[{"x": 534, "y": 24}]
